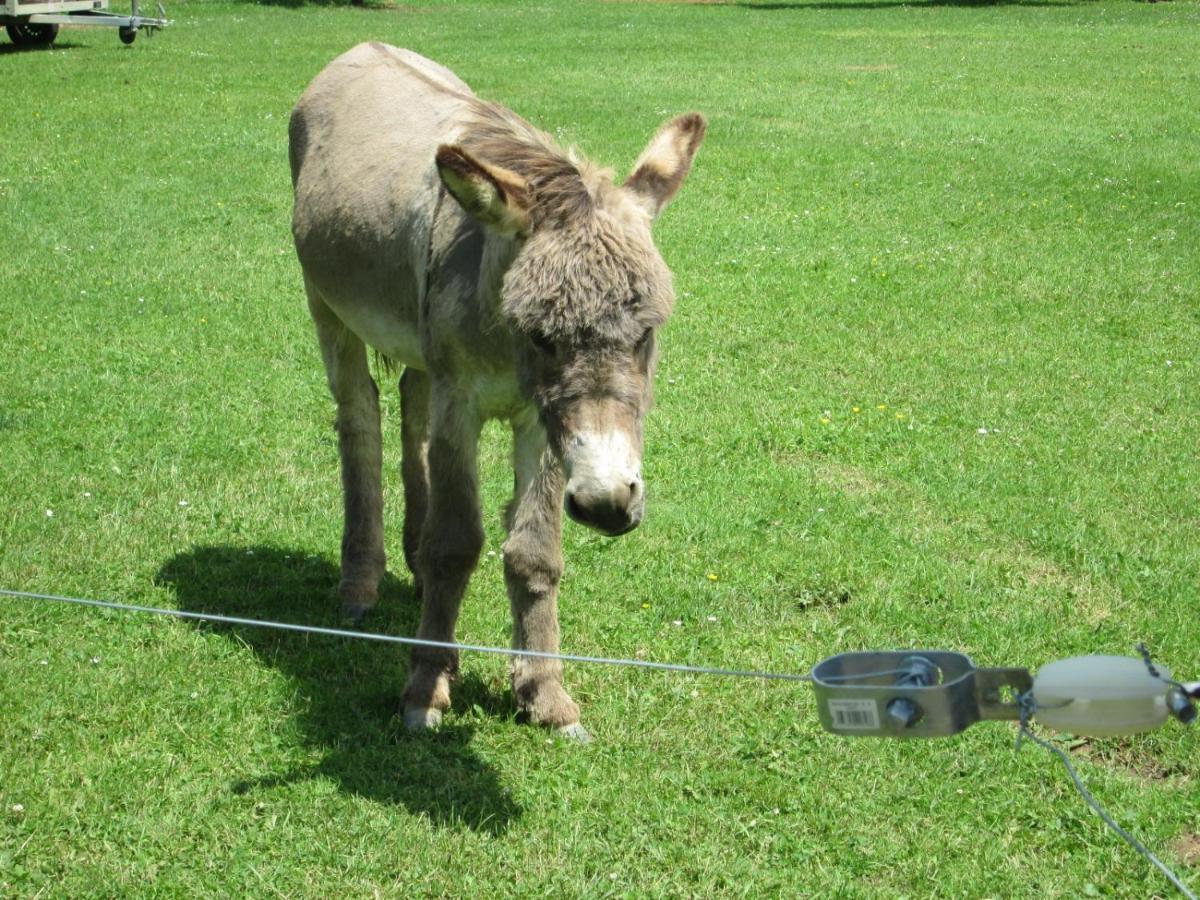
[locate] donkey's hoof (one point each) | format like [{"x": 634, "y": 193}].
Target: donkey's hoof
[
  {"x": 422, "y": 718},
  {"x": 575, "y": 733},
  {"x": 354, "y": 613},
  {"x": 358, "y": 599}
]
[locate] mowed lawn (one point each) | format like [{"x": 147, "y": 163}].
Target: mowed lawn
[{"x": 931, "y": 382}]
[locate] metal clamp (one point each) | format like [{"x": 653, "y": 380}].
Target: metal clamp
[{"x": 912, "y": 693}]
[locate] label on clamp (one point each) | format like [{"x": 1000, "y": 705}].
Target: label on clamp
[{"x": 862, "y": 714}]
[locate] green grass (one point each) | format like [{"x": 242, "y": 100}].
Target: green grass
[{"x": 952, "y": 217}]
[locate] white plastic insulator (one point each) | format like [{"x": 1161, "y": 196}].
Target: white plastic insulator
[{"x": 1100, "y": 696}]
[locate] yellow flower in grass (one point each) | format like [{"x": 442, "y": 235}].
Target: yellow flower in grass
[{"x": 713, "y": 576}]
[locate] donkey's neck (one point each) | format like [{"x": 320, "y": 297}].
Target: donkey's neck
[{"x": 498, "y": 254}]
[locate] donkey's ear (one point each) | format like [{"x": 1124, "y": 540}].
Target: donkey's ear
[
  {"x": 496, "y": 197},
  {"x": 660, "y": 170}
]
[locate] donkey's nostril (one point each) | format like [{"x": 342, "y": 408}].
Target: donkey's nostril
[{"x": 621, "y": 498}]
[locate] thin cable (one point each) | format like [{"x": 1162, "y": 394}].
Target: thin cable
[
  {"x": 1028, "y": 707},
  {"x": 864, "y": 676},
  {"x": 412, "y": 642}
]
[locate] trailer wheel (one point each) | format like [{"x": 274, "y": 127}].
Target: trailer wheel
[
  {"x": 127, "y": 34},
  {"x": 28, "y": 34}
]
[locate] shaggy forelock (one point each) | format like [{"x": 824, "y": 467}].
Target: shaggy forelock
[{"x": 586, "y": 284}]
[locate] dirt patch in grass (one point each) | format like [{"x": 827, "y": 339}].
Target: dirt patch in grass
[
  {"x": 1131, "y": 759},
  {"x": 828, "y": 596},
  {"x": 1187, "y": 848}
]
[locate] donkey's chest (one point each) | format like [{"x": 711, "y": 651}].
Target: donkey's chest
[{"x": 496, "y": 395}]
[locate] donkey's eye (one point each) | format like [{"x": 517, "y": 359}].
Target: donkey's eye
[{"x": 543, "y": 343}]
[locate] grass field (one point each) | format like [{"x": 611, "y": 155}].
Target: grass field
[{"x": 931, "y": 382}]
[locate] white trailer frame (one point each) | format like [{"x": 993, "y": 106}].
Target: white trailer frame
[{"x": 46, "y": 15}]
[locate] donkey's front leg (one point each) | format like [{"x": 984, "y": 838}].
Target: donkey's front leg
[
  {"x": 533, "y": 565},
  {"x": 449, "y": 549},
  {"x": 350, "y": 382}
]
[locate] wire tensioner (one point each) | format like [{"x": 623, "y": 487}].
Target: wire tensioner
[{"x": 935, "y": 693}]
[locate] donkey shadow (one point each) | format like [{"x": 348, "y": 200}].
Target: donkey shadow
[{"x": 348, "y": 690}]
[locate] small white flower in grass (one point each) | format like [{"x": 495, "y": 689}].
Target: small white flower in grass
[
  {"x": 49, "y": 514},
  {"x": 982, "y": 431},
  {"x": 1169, "y": 363},
  {"x": 712, "y": 618},
  {"x": 95, "y": 660},
  {"x": 43, "y": 662},
  {"x": 194, "y": 694},
  {"x": 491, "y": 553},
  {"x": 183, "y": 503},
  {"x": 18, "y": 808},
  {"x": 677, "y": 622},
  {"x": 87, "y": 493}
]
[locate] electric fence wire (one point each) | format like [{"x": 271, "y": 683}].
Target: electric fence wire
[
  {"x": 409, "y": 641},
  {"x": 1028, "y": 708}
]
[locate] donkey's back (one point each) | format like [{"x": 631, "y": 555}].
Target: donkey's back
[{"x": 362, "y": 143}]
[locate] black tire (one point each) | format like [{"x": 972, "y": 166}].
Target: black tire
[
  {"x": 126, "y": 34},
  {"x": 28, "y": 34}
]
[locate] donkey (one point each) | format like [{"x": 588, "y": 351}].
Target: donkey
[{"x": 510, "y": 279}]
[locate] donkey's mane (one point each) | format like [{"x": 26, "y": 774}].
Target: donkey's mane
[{"x": 558, "y": 179}]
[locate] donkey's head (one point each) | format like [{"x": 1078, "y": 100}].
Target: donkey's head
[{"x": 584, "y": 294}]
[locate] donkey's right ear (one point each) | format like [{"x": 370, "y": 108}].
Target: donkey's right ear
[
  {"x": 660, "y": 170},
  {"x": 495, "y": 197}
]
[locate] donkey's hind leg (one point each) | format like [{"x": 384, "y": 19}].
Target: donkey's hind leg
[
  {"x": 350, "y": 382},
  {"x": 414, "y": 466}
]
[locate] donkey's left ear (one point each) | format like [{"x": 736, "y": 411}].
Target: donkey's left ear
[
  {"x": 660, "y": 170},
  {"x": 496, "y": 197}
]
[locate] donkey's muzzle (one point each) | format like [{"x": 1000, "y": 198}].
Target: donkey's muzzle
[{"x": 614, "y": 511}]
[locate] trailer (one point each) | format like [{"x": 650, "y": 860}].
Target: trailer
[{"x": 35, "y": 23}]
